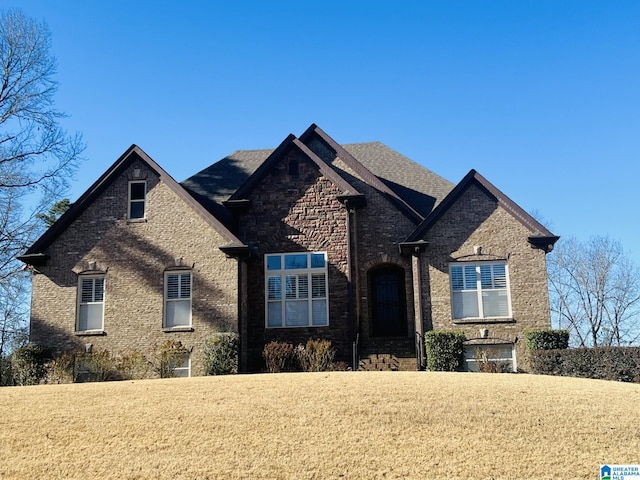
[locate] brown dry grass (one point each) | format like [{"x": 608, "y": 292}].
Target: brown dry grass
[{"x": 318, "y": 426}]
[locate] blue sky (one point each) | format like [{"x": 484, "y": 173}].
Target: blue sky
[{"x": 541, "y": 97}]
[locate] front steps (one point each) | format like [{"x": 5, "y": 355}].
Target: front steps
[
  {"x": 388, "y": 354},
  {"x": 385, "y": 362}
]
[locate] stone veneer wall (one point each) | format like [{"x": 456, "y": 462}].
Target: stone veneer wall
[
  {"x": 293, "y": 213},
  {"x": 378, "y": 228},
  {"x": 135, "y": 255},
  {"x": 476, "y": 219}
]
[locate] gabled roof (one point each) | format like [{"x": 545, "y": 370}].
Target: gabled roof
[
  {"x": 413, "y": 188},
  {"x": 133, "y": 153},
  {"x": 415, "y": 184},
  {"x": 363, "y": 172},
  {"x": 540, "y": 237},
  {"x": 292, "y": 142}
]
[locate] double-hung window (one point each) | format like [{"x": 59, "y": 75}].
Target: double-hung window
[
  {"x": 90, "y": 303},
  {"x": 137, "y": 199},
  {"x": 182, "y": 368},
  {"x": 177, "y": 299},
  {"x": 296, "y": 290},
  {"x": 480, "y": 290}
]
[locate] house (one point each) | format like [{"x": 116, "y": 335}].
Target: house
[{"x": 356, "y": 244}]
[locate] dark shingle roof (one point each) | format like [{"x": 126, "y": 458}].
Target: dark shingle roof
[{"x": 418, "y": 186}]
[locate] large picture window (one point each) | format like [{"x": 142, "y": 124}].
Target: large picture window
[
  {"x": 90, "y": 303},
  {"x": 177, "y": 295},
  {"x": 296, "y": 290},
  {"x": 480, "y": 290}
]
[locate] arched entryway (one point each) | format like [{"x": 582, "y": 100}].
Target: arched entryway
[{"x": 388, "y": 304}]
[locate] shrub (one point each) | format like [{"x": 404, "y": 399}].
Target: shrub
[
  {"x": 29, "y": 364},
  {"x": 280, "y": 357},
  {"x": 221, "y": 354},
  {"x": 547, "y": 339},
  {"x": 316, "y": 356},
  {"x": 444, "y": 350},
  {"x": 605, "y": 363},
  {"x": 62, "y": 369},
  {"x": 168, "y": 356},
  {"x": 98, "y": 366},
  {"x": 133, "y": 366},
  {"x": 486, "y": 365}
]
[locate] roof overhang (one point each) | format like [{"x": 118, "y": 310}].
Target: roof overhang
[
  {"x": 238, "y": 251},
  {"x": 413, "y": 248},
  {"x": 352, "y": 201},
  {"x": 543, "y": 242},
  {"x": 34, "y": 259}
]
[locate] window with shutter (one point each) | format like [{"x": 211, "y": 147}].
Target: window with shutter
[
  {"x": 479, "y": 290},
  {"x": 296, "y": 290},
  {"x": 177, "y": 295},
  {"x": 90, "y": 303}
]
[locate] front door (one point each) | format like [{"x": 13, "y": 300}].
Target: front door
[{"x": 388, "y": 302}]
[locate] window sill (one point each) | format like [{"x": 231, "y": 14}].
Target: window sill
[
  {"x": 473, "y": 321},
  {"x": 89, "y": 333},
  {"x": 177, "y": 329},
  {"x": 295, "y": 326},
  {"x": 136, "y": 220}
]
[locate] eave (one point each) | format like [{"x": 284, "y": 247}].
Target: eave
[{"x": 34, "y": 259}]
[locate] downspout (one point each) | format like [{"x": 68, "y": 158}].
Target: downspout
[
  {"x": 417, "y": 305},
  {"x": 356, "y": 267},
  {"x": 349, "y": 279}
]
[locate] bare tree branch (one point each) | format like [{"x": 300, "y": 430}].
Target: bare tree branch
[
  {"x": 37, "y": 156},
  {"x": 595, "y": 292}
]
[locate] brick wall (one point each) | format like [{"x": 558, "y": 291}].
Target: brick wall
[
  {"x": 477, "y": 220},
  {"x": 293, "y": 213},
  {"x": 134, "y": 256}
]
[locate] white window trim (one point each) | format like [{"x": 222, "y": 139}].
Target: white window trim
[
  {"x": 167, "y": 300},
  {"x": 81, "y": 278},
  {"x": 283, "y": 273},
  {"x": 471, "y": 360},
  {"x": 130, "y": 201},
  {"x": 479, "y": 291},
  {"x": 183, "y": 368}
]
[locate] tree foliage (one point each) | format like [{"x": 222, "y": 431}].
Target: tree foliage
[
  {"x": 595, "y": 292},
  {"x": 55, "y": 212},
  {"x": 37, "y": 156}
]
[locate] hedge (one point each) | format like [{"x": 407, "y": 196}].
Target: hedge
[
  {"x": 547, "y": 339},
  {"x": 604, "y": 363},
  {"x": 445, "y": 350}
]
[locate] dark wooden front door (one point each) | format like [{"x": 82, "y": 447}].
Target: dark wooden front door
[{"x": 388, "y": 302}]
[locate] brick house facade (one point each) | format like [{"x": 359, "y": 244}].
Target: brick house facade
[{"x": 356, "y": 244}]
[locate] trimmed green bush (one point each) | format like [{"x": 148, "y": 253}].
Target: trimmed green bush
[
  {"x": 445, "y": 350},
  {"x": 547, "y": 339},
  {"x": 605, "y": 363},
  {"x": 221, "y": 354}
]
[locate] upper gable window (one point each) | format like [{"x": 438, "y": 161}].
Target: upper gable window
[
  {"x": 296, "y": 290},
  {"x": 90, "y": 303},
  {"x": 137, "y": 199},
  {"x": 480, "y": 290}
]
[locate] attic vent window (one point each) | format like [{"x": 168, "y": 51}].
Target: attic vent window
[{"x": 294, "y": 168}]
